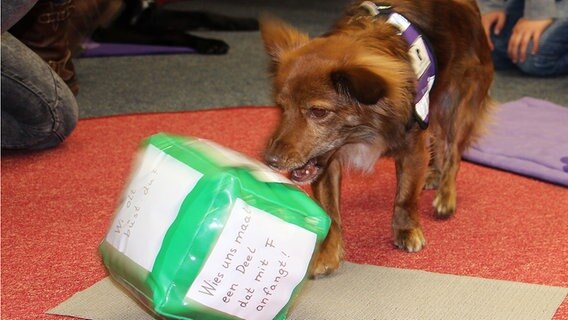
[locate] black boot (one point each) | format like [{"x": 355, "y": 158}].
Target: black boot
[{"x": 44, "y": 29}]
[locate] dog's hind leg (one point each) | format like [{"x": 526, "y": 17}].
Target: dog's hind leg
[
  {"x": 464, "y": 127},
  {"x": 411, "y": 170},
  {"x": 446, "y": 196},
  {"x": 326, "y": 190},
  {"x": 450, "y": 134},
  {"x": 435, "y": 165}
]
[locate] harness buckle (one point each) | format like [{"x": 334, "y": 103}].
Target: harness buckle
[{"x": 376, "y": 9}]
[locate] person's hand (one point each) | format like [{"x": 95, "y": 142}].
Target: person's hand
[
  {"x": 524, "y": 32},
  {"x": 493, "y": 20}
]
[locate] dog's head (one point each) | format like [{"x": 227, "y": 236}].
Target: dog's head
[{"x": 343, "y": 89}]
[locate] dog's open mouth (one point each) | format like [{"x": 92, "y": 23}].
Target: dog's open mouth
[{"x": 306, "y": 173}]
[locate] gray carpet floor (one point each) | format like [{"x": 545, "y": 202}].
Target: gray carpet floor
[{"x": 157, "y": 83}]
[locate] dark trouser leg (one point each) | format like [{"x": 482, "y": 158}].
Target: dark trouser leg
[{"x": 38, "y": 109}]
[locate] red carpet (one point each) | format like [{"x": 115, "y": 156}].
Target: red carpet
[{"x": 57, "y": 204}]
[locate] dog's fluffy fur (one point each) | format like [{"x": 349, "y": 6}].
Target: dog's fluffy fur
[{"x": 347, "y": 97}]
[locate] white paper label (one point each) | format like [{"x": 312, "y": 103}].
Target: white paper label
[
  {"x": 423, "y": 106},
  {"x": 255, "y": 265},
  {"x": 150, "y": 205},
  {"x": 399, "y": 22},
  {"x": 419, "y": 57}
]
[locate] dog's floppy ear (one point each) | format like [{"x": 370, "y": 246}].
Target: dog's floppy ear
[
  {"x": 278, "y": 36},
  {"x": 360, "y": 83}
]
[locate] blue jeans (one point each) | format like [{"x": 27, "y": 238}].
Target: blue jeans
[
  {"x": 552, "y": 56},
  {"x": 38, "y": 109}
]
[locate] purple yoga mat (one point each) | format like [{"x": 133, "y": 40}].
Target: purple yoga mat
[
  {"x": 95, "y": 49},
  {"x": 529, "y": 137}
]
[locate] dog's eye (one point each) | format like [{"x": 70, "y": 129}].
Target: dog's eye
[{"x": 318, "y": 113}]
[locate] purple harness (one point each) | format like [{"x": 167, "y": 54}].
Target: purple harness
[{"x": 421, "y": 56}]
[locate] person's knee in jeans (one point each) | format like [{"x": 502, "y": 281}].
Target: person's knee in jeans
[
  {"x": 537, "y": 65},
  {"x": 38, "y": 109}
]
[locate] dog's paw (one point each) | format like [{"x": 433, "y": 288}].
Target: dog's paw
[
  {"x": 325, "y": 264},
  {"x": 445, "y": 204},
  {"x": 411, "y": 240},
  {"x": 432, "y": 180}
]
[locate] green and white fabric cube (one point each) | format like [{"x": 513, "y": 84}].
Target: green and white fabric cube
[{"x": 203, "y": 232}]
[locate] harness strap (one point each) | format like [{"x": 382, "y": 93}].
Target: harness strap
[{"x": 421, "y": 57}]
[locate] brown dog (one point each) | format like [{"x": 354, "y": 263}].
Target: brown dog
[{"x": 357, "y": 93}]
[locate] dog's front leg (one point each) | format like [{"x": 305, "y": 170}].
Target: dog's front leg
[
  {"x": 410, "y": 172},
  {"x": 326, "y": 191}
]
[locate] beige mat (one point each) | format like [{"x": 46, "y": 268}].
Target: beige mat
[{"x": 368, "y": 292}]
